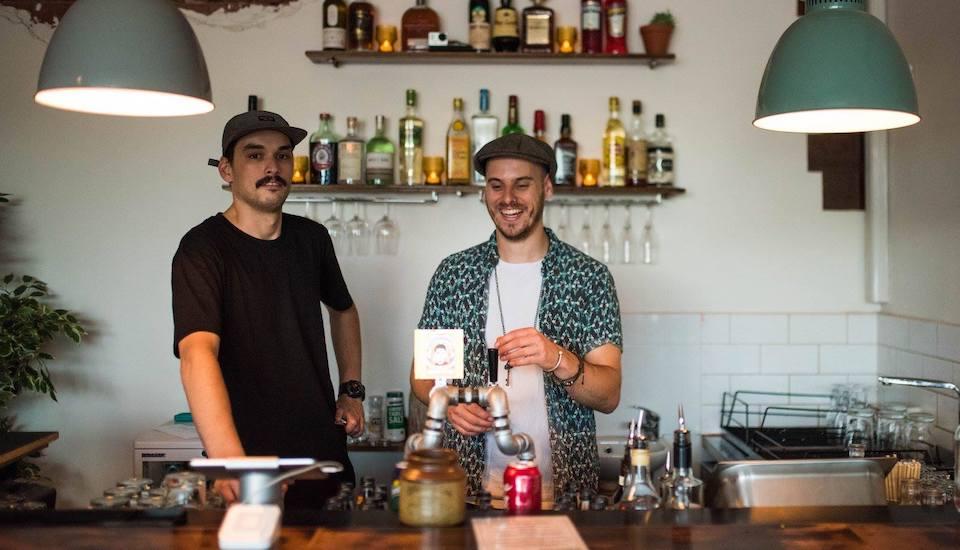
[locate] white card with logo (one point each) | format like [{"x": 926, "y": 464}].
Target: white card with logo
[{"x": 438, "y": 354}]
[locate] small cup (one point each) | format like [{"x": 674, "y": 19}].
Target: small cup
[
  {"x": 566, "y": 39},
  {"x": 589, "y": 172},
  {"x": 857, "y": 450},
  {"x": 300, "y": 169},
  {"x": 433, "y": 170},
  {"x": 909, "y": 492},
  {"x": 386, "y": 38}
]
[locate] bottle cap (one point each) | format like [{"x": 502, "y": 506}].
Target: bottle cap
[
  {"x": 484, "y": 99},
  {"x": 637, "y": 107},
  {"x": 661, "y": 120},
  {"x": 614, "y": 103},
  {"x": 458, "y": 103},
  {"x": 539, "y": 120},
  {"x": 565, "y": 120},
  {"x": 411, "y": 97}
]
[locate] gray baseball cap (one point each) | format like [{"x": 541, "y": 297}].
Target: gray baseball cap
[
  {"x": 519, "y": 146},
  {"x": 254, "y": 121}
]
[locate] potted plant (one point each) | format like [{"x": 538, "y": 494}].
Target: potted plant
[{"x": 656, "y": 35}]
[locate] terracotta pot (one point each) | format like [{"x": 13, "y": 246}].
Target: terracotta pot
[{"x": 656, "y": 38}]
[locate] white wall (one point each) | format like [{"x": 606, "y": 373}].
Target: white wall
[{"x": 102, "y": 203}]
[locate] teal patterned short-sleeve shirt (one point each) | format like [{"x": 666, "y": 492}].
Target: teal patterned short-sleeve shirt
[{"x": 578, "y": 310}]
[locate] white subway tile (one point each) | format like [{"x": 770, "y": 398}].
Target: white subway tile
[
  {"x": 893, "y": 331},
  {"x": 848, "y": 359},
  {"x": 710, "y": 418},
  {"x": 886, "y": 361},
  {"x": 909, "y": 364},
  {"x": 640, "y": 329},
  {"x": 788, "y": 359},
  {"x": 758, "y": 329},
  {"x": 715, "y": 329},
  {"x": 818, "y": 329},
  {"x": 948, "y": 342},
  {"x": 722, "y": 359},
  {"x": 814, "y": 384},
  {"x": 923, "y": 337},
  {"x": 763, "y": 383},
  {"x": 681, "y": 329},
  {"x": 660, "y": 377},
  {"x": 947, "y": 410},
  {"x": 712, "y": 388},
  {"x": 862, "y": 328},
  {"x": 938, "y": 369}
]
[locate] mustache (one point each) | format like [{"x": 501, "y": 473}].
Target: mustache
[{"x": 271, "y": 179}]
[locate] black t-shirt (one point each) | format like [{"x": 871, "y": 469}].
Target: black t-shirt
[{"x": 263, "y": 298}]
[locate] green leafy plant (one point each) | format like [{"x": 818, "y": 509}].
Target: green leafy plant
[
  {"x": 663, "y": 18},
  {"x": 27, "y": 324}
]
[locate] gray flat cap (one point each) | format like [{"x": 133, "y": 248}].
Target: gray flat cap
[
  {"x": 254, "y": 121},
  {"x": 519, "y": 146}
]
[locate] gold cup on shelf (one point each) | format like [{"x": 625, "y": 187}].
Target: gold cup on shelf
[
  {"x": 386, "y": 38},
  {"x": 566, "y": 39},
  {"x": 589, "y": 172},
  {"x": 433, "y": 170},
  {"x": 301, "y": 168}
]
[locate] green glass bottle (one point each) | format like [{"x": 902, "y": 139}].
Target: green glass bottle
[
  {"x": 513, "y": 119},
  {"x": 380, "y": 156}
]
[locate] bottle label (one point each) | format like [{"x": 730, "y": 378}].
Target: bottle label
[
  {"x": 350, "y": 167},
  {"x": 322, "y": 157},
  {"x": 590, "y": 16},
  {"x": 660, "y": 165},
  {"x": 637, "y": 159},
  {"x": 458, "y": 159},
  {"x": 332, "y": 16},
  {"x": 538, "y": 30},
  {"x": 616, "y": 17},
  {"x": 334, "y": 38},
  {"x": 566, "y": 167},
  {"x": 505, "y": 23},
  {"x": 379, "y": 162},
  {"x": 480, "y": 36}
]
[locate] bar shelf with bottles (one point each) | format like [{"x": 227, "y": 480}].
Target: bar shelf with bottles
[{"x": 498, "y": 33}]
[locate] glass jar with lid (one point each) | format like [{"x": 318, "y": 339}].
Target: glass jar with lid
[
  {"x": 860, "y": 427},
  {"x": 433, "y": 489},
  {"x": 920, "y": 430},
  {"x": 891, "y": 429}
]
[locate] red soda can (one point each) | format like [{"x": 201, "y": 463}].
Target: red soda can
[{"x": 521, "y": 487}]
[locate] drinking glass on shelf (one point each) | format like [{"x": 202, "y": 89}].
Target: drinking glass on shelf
[
  {"x": 628, "y": 241},
  {"x": 359, "y": 231},
  {"x": 860, "y": 427},
  {"x": 607, "y": 242},
  {"x": 650, "y": 241},
  {"x": 337, "y": 230},
  {"x": 919, "y": 431},
  {"x": 585, "y": 239},
  {"x": 890, "y": 428},
  {"x": 386, "y": 234}
]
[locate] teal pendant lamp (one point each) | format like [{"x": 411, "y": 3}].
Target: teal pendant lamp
[
  {"x": 837, "y": 69},
  {"x": 125, "y": 57}
]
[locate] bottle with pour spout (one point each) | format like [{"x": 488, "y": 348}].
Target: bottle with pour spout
[{"x": 686, "y": 490}]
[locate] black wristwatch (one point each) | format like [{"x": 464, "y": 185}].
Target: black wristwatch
[{"x": 354, "y": 389}]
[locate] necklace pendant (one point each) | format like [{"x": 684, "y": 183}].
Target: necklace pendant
[{"x": 508, "y": 368}]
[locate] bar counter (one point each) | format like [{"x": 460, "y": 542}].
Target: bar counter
[{"x": 903, "y": 528}]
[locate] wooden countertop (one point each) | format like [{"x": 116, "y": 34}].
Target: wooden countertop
[{"x": 913, "y": 528}]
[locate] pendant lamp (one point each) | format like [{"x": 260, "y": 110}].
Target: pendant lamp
[
  {"x": 125, "y": 57},
  {"x": 836, "y": 69}
]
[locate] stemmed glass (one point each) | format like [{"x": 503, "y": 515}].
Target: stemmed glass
[
  {"x": 387, "y": 234},
  {"x": 359, "y": 231},
  {"x": 337, "y": 230},
  {"x": 586, "y": 234},
  {"x": 628, "y": 241},
  {"x": 607, "y": 243},
  {"x": 649, "y": 242}
]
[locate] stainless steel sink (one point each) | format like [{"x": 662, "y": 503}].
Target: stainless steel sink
[{"x": 808, "y": 482}]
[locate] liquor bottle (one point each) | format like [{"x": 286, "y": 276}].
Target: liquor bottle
[
  {"x": 637, "y": 148},
  {"x": 591, "y": 26},
  {"x": 480, "y": 25},
  {"x": 538, "y": 28},
  {"x": 615, "y": 16},
  {"x": 686, "y": 491},
  {"x": 416, "y": 24},
  {"x": 323, "y": 153},
  {"x": 350, "y": 156},
  {"x": 614, "y": 139},
  {"x": 640, "y": 494},
  {"x": 411, "y": 144},
  {"x": 360, "y": 27},
  {"x": 513, "y": 119},
  {"x": 540, "y": 125},
  {"x": 566, "y": 151},
  {"x": 625, "y": 463},
  {"x": 458, "y": 147},
  {"x": 380, "y": 154},
  {"x": 334, "y": 25},
  {"x": 484, "y": 128},
  {"x": 660, "y": 155},
  {"x": 506, "y": 33}
]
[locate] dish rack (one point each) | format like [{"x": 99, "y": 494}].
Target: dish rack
[{"x": 792, "y": 431}]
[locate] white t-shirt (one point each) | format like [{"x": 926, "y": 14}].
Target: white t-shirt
[{"x": 520, "y": 294}]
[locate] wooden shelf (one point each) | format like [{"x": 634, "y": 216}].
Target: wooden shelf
[
  {"x": 337, "y": 58},
  {"x": 579, "y": 192}
]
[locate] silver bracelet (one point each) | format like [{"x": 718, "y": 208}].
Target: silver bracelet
[{"x": 559, "y": 359}]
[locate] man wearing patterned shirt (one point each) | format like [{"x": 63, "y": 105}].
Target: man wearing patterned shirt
[{"x": 553, "y": 313}]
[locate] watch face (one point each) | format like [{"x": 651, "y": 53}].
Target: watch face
[{"x": 353, "y": 389}]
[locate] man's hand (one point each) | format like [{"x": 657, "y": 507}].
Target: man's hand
[
  {"x": 229, "y": 489},
  {"x": 350, "y": 414},
  {"x": 526, "y": 346},
  {"x": 470, "y": 419}
]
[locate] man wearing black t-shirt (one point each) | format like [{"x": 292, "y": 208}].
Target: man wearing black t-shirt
[{"x": 248, "y": 327}]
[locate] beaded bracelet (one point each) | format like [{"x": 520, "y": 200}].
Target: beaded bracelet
[{"x": 567, "y": 382}]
